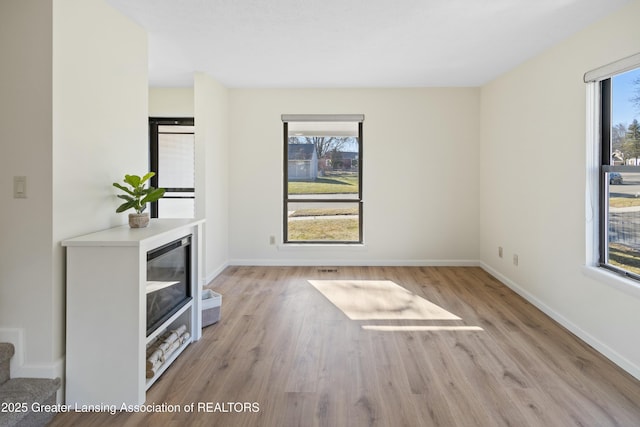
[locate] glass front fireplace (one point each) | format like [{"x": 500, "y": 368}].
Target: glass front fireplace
[{"x": 168, "y": 281}]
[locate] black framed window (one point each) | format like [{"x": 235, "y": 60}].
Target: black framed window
[
  {"x": 322, "y": 179},
  {"x": 619, "y": 172},
  {"x": 172, "y": 158}
]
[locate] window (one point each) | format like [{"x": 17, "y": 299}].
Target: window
[
  {"x": 618, "y": 130},
  {"x": 172, "y": 158},
  {"x": 322, "y": 178}
]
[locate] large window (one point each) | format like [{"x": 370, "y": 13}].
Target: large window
[
  {"x": 618, "y": 115},
  {"x": 322, "y": 178},
  {"x": 172, "y": 157}
]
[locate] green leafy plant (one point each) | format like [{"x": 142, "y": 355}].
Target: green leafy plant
[{"x": 137, "y": 196}]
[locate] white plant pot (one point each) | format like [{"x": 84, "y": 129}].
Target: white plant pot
[{"x": 138, "y": 220}]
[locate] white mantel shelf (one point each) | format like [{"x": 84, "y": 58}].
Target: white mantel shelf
[
  {"x": 106, "y": 334},
  {"x": 127, "y": 236}
]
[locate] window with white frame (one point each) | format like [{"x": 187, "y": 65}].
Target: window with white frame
[
  {"x": 616, "y": 132},
  {"x": 322, "y": 178}
]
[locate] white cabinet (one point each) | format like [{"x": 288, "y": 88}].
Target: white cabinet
[{"x": 106, "y": 336}]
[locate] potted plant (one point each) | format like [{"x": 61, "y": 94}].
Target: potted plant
[{"x": 137, "y": 197}]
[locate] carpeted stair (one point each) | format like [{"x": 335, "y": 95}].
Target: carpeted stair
[{"x": 17, "y": 395}]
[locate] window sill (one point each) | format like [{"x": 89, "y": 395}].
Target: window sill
[
  {"x": 329, "y": 247},
  {"x": 623, "y": 284}
]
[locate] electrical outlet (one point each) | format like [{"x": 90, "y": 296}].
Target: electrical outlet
[
  {"x": 500, "y": 251},
  {"x": 515, "y": 259}
]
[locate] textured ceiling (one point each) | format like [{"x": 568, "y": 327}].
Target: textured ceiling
[{"x": 351, "y": 43}]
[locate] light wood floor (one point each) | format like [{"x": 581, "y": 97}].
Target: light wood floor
[{"x": 284, "y": 345}]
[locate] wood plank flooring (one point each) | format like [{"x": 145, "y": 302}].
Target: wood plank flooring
[{"x": 284, "y": 348}]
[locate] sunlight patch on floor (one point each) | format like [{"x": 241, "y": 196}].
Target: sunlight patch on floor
[
  {"x": 379, "y": 300},
  {"x": 385, "y": 300}
]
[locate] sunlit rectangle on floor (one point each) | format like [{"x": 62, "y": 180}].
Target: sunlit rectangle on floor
[{"x": 379, "y": 300}]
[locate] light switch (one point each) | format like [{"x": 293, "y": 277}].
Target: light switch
[{"x": 19, "y": 187}]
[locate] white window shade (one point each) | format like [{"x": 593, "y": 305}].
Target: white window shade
[
  {"x": 176, "y": 160},
  {"x": 617, "y": 67},
  {"x": 323, "y": 129},
  {"x": 322, "y": 117}
]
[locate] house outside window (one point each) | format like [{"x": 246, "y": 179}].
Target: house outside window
[
  {"x": 303, "y": 162},
  {"x": 322, "y": 179},
  {"x": 616, "y": 129}
]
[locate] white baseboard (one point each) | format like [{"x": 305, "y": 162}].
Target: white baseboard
[
  {"x": 215, "y": 273},
  {"x": 601, "y": 347},
  {"x": 20, "y": 369},
  {"x": 40, "y": 370},
  {"x": 354, "y": 262}
]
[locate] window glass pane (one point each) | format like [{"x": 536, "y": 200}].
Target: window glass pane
[
  {"x": 329, "y": 221},
  {"x": 624, "y": 221},
  {"x": 625, "y": 112},
  {"x": 621, "y": 228},
  {"x": 176, "y": 208},
  {"x": 323, "y": 159}
]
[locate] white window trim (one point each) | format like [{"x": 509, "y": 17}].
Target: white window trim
[
  {"x": 614, "y": 280},
  {"x": 592, "y": 195},
  {"x": 592, "y": 267}
]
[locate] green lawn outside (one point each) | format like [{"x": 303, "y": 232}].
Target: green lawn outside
[
  {"x": 332, "y": 184},
  {"x": 345, "y": 230}
]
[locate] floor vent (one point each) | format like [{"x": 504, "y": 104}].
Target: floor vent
[{"x": 327, "y": 270}]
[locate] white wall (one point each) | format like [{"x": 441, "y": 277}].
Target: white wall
[
  {"x": 74, "y": 120},
  {"x": 533, "y": 155},
  {"x": 212, "y": 169},
  {"x": 26, "y": 290},
  {"x": 100, "y": 90},
  {"x": 420, "y": 174},
  {"x": 171, "y": 102}
]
